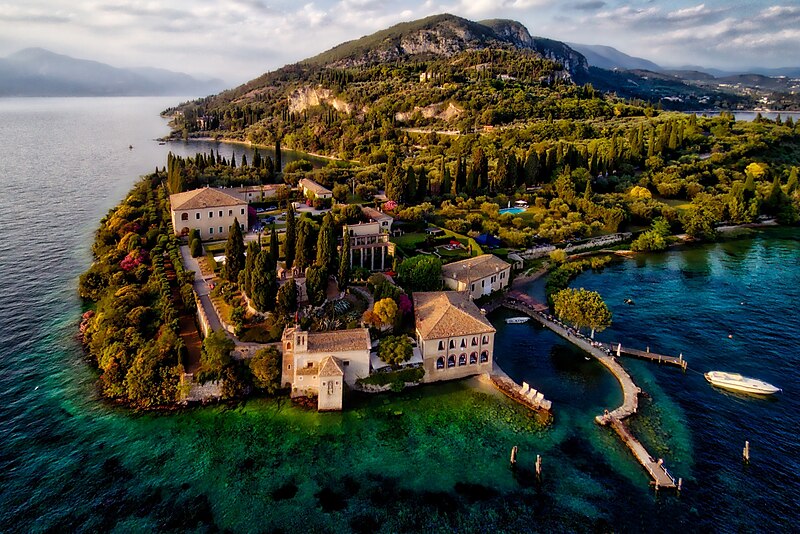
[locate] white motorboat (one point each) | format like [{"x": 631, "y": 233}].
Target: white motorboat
[
  {"x": 517, "y": 320},
  {"x": 743, "y": 384}
]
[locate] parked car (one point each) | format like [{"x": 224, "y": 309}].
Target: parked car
[{"x": 269, "y": 219}]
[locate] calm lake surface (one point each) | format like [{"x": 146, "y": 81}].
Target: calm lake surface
[{"x": 429, "y": 459}]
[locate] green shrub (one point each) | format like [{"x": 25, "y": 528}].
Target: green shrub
[{"x": 196, "y": 248}]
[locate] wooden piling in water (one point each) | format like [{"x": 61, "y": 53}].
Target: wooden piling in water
[
  {"x": 513, "y": 456},
  {"x": 538, "y": 467},
  {"x": 746, "y": 452}
]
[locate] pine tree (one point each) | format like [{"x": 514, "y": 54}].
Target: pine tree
[
  {"x": 234, "y": 252},
  {"x": 343, "y": 276},
  {"x": 289, "y": 245}
]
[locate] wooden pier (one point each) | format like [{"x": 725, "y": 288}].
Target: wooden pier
[
  {"x": 619, "y": 350},
  {"x": 630, "y": 392}
]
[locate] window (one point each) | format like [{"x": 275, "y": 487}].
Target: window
[
  {"x": 494, "y": 278},
  {"x": 210, "y": 214},
  {"x": 220, "y": 230},
  {"x": 346, "y": 363},
  {"x": 483, "y": 283},
  {"x": 440, "y": 362},
  {"x": 289, "y": 367},
  {"x": 451, "y": 361},
  {"x": 462, "y": 360},
  {"x": 230, "y": 212},
  {"x": 289, "y": 345},
  {"x": 474, "y": 341},
  {"x": 220, "y": 213},
  {"x": 299, "y": 378},
  {"x": 242, "y": 211},
  {"x": 473, "y": 287},
  {"x": 441, "y": 345},
  {"x": 485, "y": 340},
  {"x": 185, "y": 216},
  {"x": 473, "y": 358},
  {"x": 502, "y": 275},
  {"x": 323, "y": 384},
  {"x": 310, "y": 365},
  {"x": 197, "y": 216},
  {"x": 211, "y": 230},
  {"x": 484, "y": 356},
  {"x": 463, "y": 342},
  {"x": 452, "y": 344}
]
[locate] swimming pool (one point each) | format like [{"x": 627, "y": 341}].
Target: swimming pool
[{"x": 512, "y": 211}]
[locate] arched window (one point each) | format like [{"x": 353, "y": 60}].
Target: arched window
[
  {"x": 463, "y": 343},
  {"x": 473, "y": 358},
  {"x": 484, "y": 357},
  {"x": 485, "y": 339},
  {"x": 474, "y": 341},
  {"x": 441, "y": 345},
  {"x": 452, "y": 344},
  {"x": 462, "y": 360},
  {"x": 451, "y": 361},
  {"x": 184, "y": 216},
  {"x": 440, "y": 362},
  {"x": 288, "y": 345}
]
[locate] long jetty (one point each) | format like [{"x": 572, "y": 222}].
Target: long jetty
[
  {"x": 523, "y": 303},
  {"x": 645, "y": 355}
]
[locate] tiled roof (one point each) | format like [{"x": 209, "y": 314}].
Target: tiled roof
[
  {"x": 330, "y": 367},
  {"x": 441, "y": 314},
  {"x": 339, "y": 340},
  {"x": 313, "y": 186},
  {"x": 475, "y": 268},
  {"x": 206, "y": 197},
  {"x": 375, "y": 215}
]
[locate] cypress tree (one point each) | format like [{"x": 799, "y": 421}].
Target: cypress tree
[
  {"x": 274, "y": 248},
  {"x": 256, "y": 159},
  {"x": 791, "y": 184},
  {"x": 422, "y": 183},
  {"x": 410, "y": 185},
  {"x": 286, "y": 302},
  {"x": 233, "y": 160},
  {"x": 264, "y": 285},
  {"x": 278, "y": 166},
  {"x": 244, "y": 160},
  {"x": 291, "y": 237},
  {"x": 343, "y": 276},
  {"x": 316, "y": 285},
  {"x": 302, "y": 256},
  {"x": 252, "y": 253},
  {"x": 234, "y": 252},
  {"x": 326, "y": 245},
  {"x": 447, "y": 185}
]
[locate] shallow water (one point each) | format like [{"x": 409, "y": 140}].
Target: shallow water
[{"x": 434, "y": 458}]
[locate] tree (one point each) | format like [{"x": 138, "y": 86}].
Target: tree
[
  {"x": 286, "y": 302},
  {"x": 304, "y": 244},
  {"x": 253, "y": 249},
  {"x": 420, "y": 273},
  {"x": 234, "y": 252},
  {"x": 326, "y": 244},
  {"x": 343, "y": 276},
  {"x": 386, "y": 311},
  {"x": 274, "y": 248},
  {"x": 316, "y": 285},
  {"x": 278, "y": 154},
  {"x": 216, "y": 354},
  {"x": 654, "y": 239},
  {"x": 290, "y": 237},
  {"x": 196, "y": 248},
  {"x": 582, "y": 308},
  {"x": 264, "y": 283},
  {"x": 340, "y": 192},
  {"x": 266, "y": 368},
  {"x": 395, "y": 350}
]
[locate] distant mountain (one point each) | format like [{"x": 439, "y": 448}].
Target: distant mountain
[
  {"x": 606, "y": 57},
  {"x": 39, "y": 72}
]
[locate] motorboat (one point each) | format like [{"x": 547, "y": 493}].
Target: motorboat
[
  {"x": 517, "y": 320},
  {"x": 629, "y": 301},
  {"x": 737, "y": 382}
]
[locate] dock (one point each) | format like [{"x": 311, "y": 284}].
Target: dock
[
  {"x": 646, "y": 355},
  {"x": 630, "y": 391}
]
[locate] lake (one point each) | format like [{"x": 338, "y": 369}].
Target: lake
[{"x": 429, "y": 459}]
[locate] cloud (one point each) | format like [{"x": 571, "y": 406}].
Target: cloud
[
  {"x": 15, "y": 14},
  {"x": 591, "y": 5}
]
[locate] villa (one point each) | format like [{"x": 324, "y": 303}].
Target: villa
[
  {"x": 321, "y": 363},
  {"x": 370, "y": 247},
  {"x": 312, "y": 189},
  {"x": 209, "y": 210},
  {"x": 257, "y": 193},
  {"x": 455, "y": 338},
  {"x": 481, "y": 275}
]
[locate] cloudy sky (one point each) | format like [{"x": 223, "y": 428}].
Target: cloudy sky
[{"x": 239, "y": 39}]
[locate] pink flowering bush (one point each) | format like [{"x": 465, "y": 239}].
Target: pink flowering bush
[{"x": 133, "y": 260}]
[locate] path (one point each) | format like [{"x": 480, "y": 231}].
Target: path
[{"x": 200, "y": 285}]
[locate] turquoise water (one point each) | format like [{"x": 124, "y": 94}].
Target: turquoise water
[
  {"x": 431, "y": 459},
  {"x": 512, "y": 211}
]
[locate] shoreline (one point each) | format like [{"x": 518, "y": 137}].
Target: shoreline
[{"x": 250, "y": 144}]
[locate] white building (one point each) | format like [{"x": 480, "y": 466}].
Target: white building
[
  {"x": 481, "y": 275},
  {"x": 211, "y": 211},
  {"x": 312, "y": 189}
]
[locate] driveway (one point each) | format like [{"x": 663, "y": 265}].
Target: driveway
[{"x": 201, "y": 288}]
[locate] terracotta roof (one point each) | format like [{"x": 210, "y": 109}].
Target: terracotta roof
[
  {"x": 475, "y": 268},
  {"x": 375, "y": 215},
  {"x": 307, "y": 371},
  {"x": 313, "y": 186},
  {"x": 206, "y": 197},
  {"x": 330, "y": 367},
  {"x": 441, "y": 314},
  {"x": 339, "y": 340},
  {"x": 257, "y": 188}
]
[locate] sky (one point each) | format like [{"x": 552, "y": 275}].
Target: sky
[{"x": 237, "y": 40}]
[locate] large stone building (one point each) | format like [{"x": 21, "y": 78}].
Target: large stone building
[
  {"x": 455, "y": 338},
  {"x": 321, "y": 363},
  {"x": 259, "y": 193},
  {"x": 481, "y": 275},
  {"x": 211, "y": 211},
  {"x": 370, "y": 247}
]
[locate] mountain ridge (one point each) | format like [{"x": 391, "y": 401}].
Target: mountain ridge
[{"x": 41, "y": 72}]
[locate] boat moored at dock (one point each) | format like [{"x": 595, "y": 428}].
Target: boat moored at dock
[
  {"x": 743, "y": 384},
  {"x": 517, "y": 320}
]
